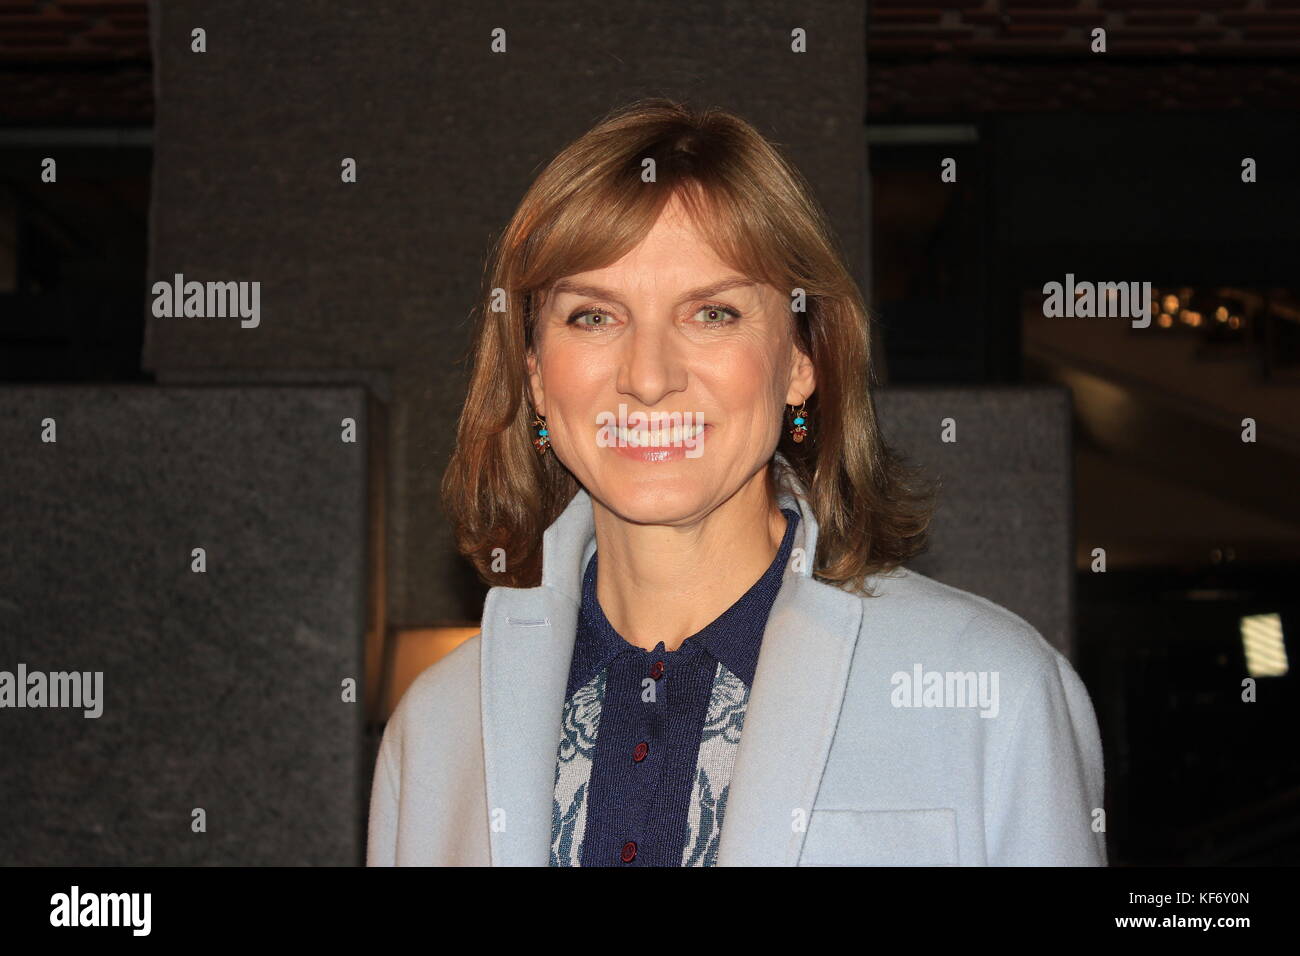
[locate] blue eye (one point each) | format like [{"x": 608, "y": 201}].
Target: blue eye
[
  {"x": 718, "y": 314},
  {"x": 573, "y": 319}
]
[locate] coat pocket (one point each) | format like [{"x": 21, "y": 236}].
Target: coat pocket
[{"x": 881, "y": 838}]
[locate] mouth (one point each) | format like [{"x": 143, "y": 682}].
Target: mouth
[{"x": 664, "y": 437}]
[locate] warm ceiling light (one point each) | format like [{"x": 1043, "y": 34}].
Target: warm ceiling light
[{"x": 1261, "y": 638}]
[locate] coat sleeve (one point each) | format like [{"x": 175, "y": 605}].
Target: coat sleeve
[
  {"x": 1046, "y": 807},
  {"x": 428, "y": 802},
  {"x": 385, "y": 790}
]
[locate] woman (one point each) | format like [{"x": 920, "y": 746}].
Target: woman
[{"x": 701, "y": 646}]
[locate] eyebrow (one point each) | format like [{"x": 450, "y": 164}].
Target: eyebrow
[{"x": 598, "y": 292}]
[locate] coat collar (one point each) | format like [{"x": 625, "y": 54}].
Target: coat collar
[
  {"x": 527, "y": 645},
  {"x": 728, "y": 638}
]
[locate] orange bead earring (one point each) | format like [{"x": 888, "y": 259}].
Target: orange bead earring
[
  {"x": 542, "y": 441},
  {"x": 800, "y": 430}
]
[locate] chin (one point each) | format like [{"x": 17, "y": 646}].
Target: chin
[{"x": 652, "y": 494}]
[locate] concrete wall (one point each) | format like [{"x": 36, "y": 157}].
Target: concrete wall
[
  {"x": 374, "y": 281},
  {"x": 1004, "y": 528},
  {"x": 221, "y": 690}
]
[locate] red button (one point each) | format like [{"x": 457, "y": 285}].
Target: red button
[
  {"x": 657, "y": 670},
  {"x": 629, "y": 851},
  {"x": 639, "y": 752}
]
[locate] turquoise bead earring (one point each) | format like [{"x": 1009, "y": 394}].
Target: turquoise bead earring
[
  {"x": 800, "y": 430},
  {"x": 542, "y": 441}
]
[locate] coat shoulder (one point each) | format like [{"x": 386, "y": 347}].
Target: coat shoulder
[
  {"x": 963, "y": 735},
  {"x": 912, "y": 613},
  {"x": 439, "y": 691}
]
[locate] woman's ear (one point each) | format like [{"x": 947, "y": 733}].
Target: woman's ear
[
  {"x": 535, "y": 390},
  {"x": 803, "y": 378}
]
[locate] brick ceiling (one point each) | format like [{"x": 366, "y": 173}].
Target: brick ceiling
[
  {"x": 81, "y": 62},
  {"x": 89, "y": 61},
  {"x": 959, "y": 59}
]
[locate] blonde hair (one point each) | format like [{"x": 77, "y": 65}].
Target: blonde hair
[{"x": 586, "y": 210}]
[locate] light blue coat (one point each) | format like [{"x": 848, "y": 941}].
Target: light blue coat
[{"x": 833, "y": 768}]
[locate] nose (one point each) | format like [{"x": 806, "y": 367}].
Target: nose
[{"x": 652, "y": 365}]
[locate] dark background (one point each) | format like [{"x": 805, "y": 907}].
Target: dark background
[{"x": 1116, "y": 167}]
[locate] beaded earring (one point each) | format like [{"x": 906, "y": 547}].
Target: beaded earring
[
  {"x": 800, "y": 429},
  {"x": 541, "y": 442}
]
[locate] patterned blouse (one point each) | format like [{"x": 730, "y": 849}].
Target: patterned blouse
[{"x": 650, "y": 737}]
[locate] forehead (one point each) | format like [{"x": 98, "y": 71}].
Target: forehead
[{"x": 673, "y": 253}]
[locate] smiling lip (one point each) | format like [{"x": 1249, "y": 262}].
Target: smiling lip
[
  {"x": 653, "y": 453},
  {"x": 660, "y": 437}
]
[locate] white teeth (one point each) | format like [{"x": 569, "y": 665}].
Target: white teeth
[{"x": 653, "y": 438}]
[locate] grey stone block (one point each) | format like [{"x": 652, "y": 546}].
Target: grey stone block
[
  {"x": 221, "y": 690},
  {"x": 1004, "y": 527},
  {"x": 447, "y": 135}
]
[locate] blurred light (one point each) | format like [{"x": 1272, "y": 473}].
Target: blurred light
[
  {"x": 1169, "y": 303},
  {"x": 1221, "y": 314},
  {"x": 1261, "y": 637},
  {"x": 1214, "y": 594},
  {"x": 1165, "y": 320},
  {"x": 1234, "y": 322}
]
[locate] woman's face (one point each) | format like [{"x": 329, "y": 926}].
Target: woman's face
[{"x": 669, "y": 328}]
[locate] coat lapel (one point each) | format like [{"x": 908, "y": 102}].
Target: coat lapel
[
  {"x": 527, "y": 645},
  {"x": 794, "y": 706},
  {"x": 790, "y": 720}
]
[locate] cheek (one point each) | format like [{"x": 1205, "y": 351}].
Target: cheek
[
  {"x": 570, "y": 379},
  {"x": 745, "y": 378}
]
